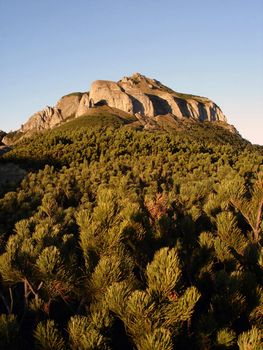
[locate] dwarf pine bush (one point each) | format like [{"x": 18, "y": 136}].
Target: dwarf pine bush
[{"x": 125, "y": 239}]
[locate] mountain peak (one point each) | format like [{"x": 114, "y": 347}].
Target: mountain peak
[
  {"x": 138, "y": 78},
  {"x": 149, "y": 101}
]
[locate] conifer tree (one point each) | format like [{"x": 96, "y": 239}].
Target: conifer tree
[
  {"x": 47, "y": 336},
  {"x": 251, "y": 209}
]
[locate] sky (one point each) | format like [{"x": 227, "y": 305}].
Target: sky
[{"x": 211, "y": 48}]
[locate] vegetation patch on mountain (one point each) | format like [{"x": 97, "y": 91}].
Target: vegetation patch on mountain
[{"x": 126, "y": 238}]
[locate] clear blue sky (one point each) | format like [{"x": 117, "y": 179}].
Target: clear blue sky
[{"x": 212, "y": 48}]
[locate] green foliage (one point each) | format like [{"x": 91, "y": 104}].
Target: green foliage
[
  {"x": 110, "y": 269},
  {"x": 47, "y": 336},
  {"x": 251, "y": 339},
  {"x": 225, "y": 338},
  {"x": 120, "y": 239},
  {"x": 159, "y": 339},
  {"x": 163, "y": 273},
  {"x": 116, "y": 296},
  {"x": 84, "y": 333},
  {"x": 229, "y": 232},
  {"x": 181, "y": 308},
  {"x": 252, "y": 209},
  {"x": 57, "y": 281}
]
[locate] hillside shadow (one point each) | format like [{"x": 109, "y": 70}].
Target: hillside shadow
[
  {"x": 160, "y": 105},
  {"x": 182, "y": 104},
  {"x": 202, "y": 112},
  {"x": 101, "y": 103},
  {"x": 212, "y": 114},
  {"x": 137, "y": 105},
  {"x": 4, "y": 149},
  {"x": 14, "y": 169},
  {"x": 203, "y": 115},
  {"x": 11, "y": 176}
]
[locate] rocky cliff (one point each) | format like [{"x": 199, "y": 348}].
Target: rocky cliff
[{"x": 147, "y": 99}]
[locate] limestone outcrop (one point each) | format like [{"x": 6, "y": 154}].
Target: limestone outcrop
[
  {"x": 109, "y": 93},
  {"x": 145, "y": 98},
  {"x": 83, "y": 106},
  {"x": 148, "y": 97},
  {"x": 69, "y": 104},
  {"x": 48, "y": 118}
]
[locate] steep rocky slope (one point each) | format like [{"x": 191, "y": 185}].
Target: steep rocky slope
[
  {"x": 152, "y": 104},
  {"x": 148, "y": 97}
]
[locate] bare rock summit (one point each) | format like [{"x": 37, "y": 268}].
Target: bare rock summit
[{"x": 146, "y": 99}]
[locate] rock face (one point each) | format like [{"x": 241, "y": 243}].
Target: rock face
[
  {"x": 69, "y": 104},
  {"x": 50, "y": 117},
  {"x": 45, "y": 119},
  {"x": 147, "y": 99},
  {"x": 109, "y": 93},
  {"x": 83, "y": 106}
]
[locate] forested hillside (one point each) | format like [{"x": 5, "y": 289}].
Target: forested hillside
[{"x": 117, "y": 238}]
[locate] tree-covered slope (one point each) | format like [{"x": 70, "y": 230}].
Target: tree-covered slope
[{"x": 124, "y": 239}]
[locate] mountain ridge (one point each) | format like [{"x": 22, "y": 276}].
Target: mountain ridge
[{"x": 151, "y": 104}]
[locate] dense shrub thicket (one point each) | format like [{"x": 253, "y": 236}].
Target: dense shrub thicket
[{"x": 123, "y": 239}]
